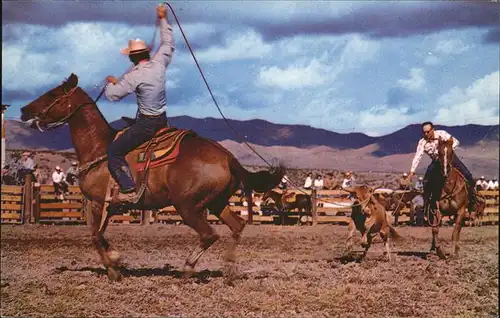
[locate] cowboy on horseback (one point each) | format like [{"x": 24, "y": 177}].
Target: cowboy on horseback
[
  {"x": 429, "y": 144},
  {"x": 147, "y": 80}
]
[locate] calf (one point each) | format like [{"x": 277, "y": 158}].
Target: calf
[{"x": 369, "y": 218}]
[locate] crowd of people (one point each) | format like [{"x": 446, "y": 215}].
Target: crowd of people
[{"x": 16, "y": 171}]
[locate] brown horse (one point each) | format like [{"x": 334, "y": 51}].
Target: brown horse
[
  {"x": 301, "y": 202},
  {"x": 453, "y": 200},
  {"x": 204, "y": 176}
]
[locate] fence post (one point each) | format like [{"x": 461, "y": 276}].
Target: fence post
[
  {"x": 314, "y": 207},
  {"x": 249, "y": 209},
  {"x": 28, "y": 199},
  {"x": 35, "y": 212}
]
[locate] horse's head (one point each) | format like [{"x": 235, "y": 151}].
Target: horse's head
[
  {"x": 53, "y": 108},
  {"x": 445, "y": 155}
]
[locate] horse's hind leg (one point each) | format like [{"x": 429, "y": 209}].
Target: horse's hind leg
[
  {"x": 109, "y": 257},
  {"x": 195, "y": 218}
]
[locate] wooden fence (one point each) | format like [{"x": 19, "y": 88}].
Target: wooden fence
[{"x": 31, "y": 204}]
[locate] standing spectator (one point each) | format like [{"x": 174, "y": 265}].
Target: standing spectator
[
  {"x": 37, "y": 175},
  {"x": 59, "y": 180},
  {"x": 481, "y": 184},
  {"x": 318, "y": 183},
  {"x": 308, "y": 183},
  {"x": 404, "y": 182},
  {"x": 419, "y": 185},
  {"x": 72, "y": 174},
  {"x": 330, "y": 183},
  {"x": 417, "y": 207},
  {"x": 27, "y": 166}
]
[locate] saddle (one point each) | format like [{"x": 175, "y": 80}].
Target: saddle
[
  {"x": 161, "y": 150},
  {"x": 289, "y": 197}
]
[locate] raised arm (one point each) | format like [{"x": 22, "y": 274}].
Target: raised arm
[{"x": 166, "y": 49}]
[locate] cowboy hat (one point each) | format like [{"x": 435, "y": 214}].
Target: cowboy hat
[
  {"x": 405, "y": 174},
  {"x": 74, "y": 163},
  {"x": 58, "y": 168},
  {"x": 134, "y": 47},
  {"x": 26, "y": 153}
]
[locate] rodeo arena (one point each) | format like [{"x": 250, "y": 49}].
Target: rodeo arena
[{"x": 172, "y": 224}]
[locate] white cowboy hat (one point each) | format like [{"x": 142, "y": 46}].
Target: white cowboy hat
[
  {"x": 58, "y": 168},
  {"x": 482, "y": 177},
  {"x": 420, "y": 178},
  {"x": 26, "y": 153},
  {"x": 134, "y": 47},
  {"x": 74, "y": 163},
  {"x": 405, "y": 174}
]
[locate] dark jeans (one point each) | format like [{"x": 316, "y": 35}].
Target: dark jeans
[
  {"x": 434, "y": 180},
  {"x": 143, "y": 130},
  {"x": 58, "y": 186}
]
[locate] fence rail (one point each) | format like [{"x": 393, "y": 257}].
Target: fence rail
[{"x": 30, "y": 204}]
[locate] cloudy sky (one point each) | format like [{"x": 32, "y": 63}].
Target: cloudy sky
[{"x": 372, "y": 67}]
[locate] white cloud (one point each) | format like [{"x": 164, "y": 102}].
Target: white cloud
[
  {"x": 431, "y": 59},
  {"x": 477, "y": 103},
  {"x": 313, "y": 74},
  {"x": 244, "y": 46},
  {"x": 415, "y": 81},
  {"x": 455, "y": 46},
  {"x": 358, "y": 51}
]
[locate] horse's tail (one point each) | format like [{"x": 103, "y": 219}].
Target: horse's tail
[
  {"x": 394, "y": 234},
  {"x": 260, "y": 181}
]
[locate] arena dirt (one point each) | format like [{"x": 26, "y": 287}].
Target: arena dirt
[{"x": 280, "y": 271}]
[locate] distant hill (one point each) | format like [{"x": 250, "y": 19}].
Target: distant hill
[{"x": 299, "y": 145}]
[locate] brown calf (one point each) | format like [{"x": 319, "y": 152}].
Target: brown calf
[{"x": 369, "y": 218}]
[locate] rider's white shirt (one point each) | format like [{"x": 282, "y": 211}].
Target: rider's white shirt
[{"x": 430, "y": 147}]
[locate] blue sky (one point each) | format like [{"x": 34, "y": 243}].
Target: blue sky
[{"x": 371, "y": 67}]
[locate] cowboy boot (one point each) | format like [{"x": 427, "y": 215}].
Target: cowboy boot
[{"x": 128, "y": 197}]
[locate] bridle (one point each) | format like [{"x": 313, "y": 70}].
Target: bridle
[{"x": 63, "y": 99}]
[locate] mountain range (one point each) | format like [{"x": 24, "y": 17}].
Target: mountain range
[{"x": 301, "y": 146}]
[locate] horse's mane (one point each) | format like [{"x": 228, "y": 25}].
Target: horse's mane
[{"x": 113, "y": 130}]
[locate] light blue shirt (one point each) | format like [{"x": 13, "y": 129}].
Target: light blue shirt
[{"x": 148, "y": 79}]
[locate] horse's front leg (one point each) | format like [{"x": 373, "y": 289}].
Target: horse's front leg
[
  {"x": 456, "y": 232},
  {"x": 109, "y": 256}
]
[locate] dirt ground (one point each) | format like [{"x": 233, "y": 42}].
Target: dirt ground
[{"x": 281, "y": 271}]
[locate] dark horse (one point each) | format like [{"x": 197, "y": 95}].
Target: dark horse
[
  {"x": 204, "y": 176},
  {"x": 453, "y": 200},
  {"x": 301, "y": 202}
]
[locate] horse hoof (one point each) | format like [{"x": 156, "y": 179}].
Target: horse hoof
[
  {"x": 440, "y": 253},
  {"x": 188, "y": 272},
  {"x": 114, "y": 255},
  {"x": 114, "y": 275}
]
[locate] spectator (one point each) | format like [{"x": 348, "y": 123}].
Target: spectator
[
  {"x": 318, "y": 183},
  {"x": 72, "y": 174},
  {"x": 348, "y": 180},
  {"x": 59, "y": 180},
  {"x": 419, "y": 185},
  {"x": 417, "y": 205},
  {"x": 404, "y": 182},
  {"x": 283, "y": 183},
  {"x": 495, "y": 184},
  {"x": 481, "y": 184},
  {"x": 308, "y": 183},
  {"x": 37, "y": 175},
  {"x": 27, "y": 166},
  {"x": 330, "y": 182}
]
